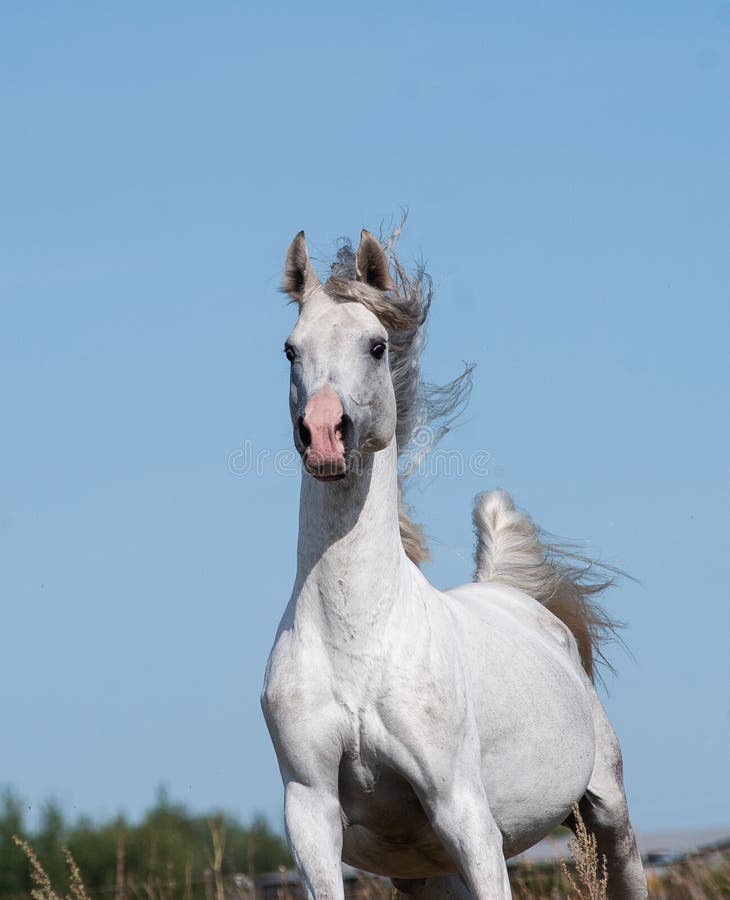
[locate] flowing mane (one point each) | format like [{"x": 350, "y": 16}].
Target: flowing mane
[{"x": 425, "y": 411}]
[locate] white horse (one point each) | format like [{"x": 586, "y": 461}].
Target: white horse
[{"x": 422, "y": 735}]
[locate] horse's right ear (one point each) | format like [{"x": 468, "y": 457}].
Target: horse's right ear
[{"x": 299, "y": 275}]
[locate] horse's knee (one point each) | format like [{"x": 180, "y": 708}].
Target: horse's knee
[
  {"x": 604, "y": 801},
  {"x": 605, "y": 813},
  {"x": 606, "y": 817}
]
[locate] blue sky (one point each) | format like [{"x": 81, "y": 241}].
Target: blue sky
[{"x": 567, "y": 173}]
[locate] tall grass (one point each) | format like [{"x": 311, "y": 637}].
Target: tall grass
[
  {"x": 583, "y": 877},
  {"x": 42, "y": 888}
]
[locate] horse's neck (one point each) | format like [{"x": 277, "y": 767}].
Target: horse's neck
[{"x": 351, "y": 567}]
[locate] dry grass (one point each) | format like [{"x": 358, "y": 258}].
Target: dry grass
[
  {"x": 583, "y": 878},
  {"x": 589, "y": 880},
  {"x": 218, "y": 839},
  {"x": 42, "y": 887},
  {"x": 698, "y": 878}
]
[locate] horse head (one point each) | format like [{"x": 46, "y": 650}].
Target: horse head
[{"x": 341, "y": 395}]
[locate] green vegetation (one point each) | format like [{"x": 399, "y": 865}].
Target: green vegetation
[
  {"x": 173, "y": 855},
  {"x": 169, "y": 853}
]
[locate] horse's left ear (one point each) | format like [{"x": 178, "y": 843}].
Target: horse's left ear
[{"x": 372, "y": 263}]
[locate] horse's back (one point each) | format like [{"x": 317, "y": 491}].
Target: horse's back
[
  {"x": 494, "y": 608},
  {"x": 532, "y": 704}
]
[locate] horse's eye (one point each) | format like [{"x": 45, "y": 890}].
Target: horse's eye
[
  {"x": 289, "y": 352},
  {"x": 377, "y": 350}
]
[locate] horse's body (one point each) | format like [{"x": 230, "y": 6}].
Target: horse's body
[{"x": 422, "y": 735}]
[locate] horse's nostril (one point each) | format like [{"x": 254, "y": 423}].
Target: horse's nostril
[
  {"x": 305, "y": 435},
  {"x": 345, "y": 428}
]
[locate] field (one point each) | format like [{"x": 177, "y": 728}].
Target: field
[{"x": 212, "y": 874}]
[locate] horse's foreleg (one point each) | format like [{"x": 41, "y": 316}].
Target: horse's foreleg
[
  {"x": 605, "y": 813},
  {"x": 444, "y": 769},
  {"x": 462, "y": 819},
  {"x": 314, "y": 831}
]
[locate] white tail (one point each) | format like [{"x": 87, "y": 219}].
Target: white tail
[{"x": 510, "y": 551}]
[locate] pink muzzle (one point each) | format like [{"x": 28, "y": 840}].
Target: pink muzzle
[{"x": 324, "y": 456}]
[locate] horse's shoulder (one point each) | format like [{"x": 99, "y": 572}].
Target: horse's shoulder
[{"x": 296, "y": 670}]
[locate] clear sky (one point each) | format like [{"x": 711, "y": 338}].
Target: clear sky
[{"x": 567, "y": 172}]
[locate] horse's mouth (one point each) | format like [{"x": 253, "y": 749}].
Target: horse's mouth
[
  {"x": 327, "y": 470},
  {"x": 326, "y": 478}
]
